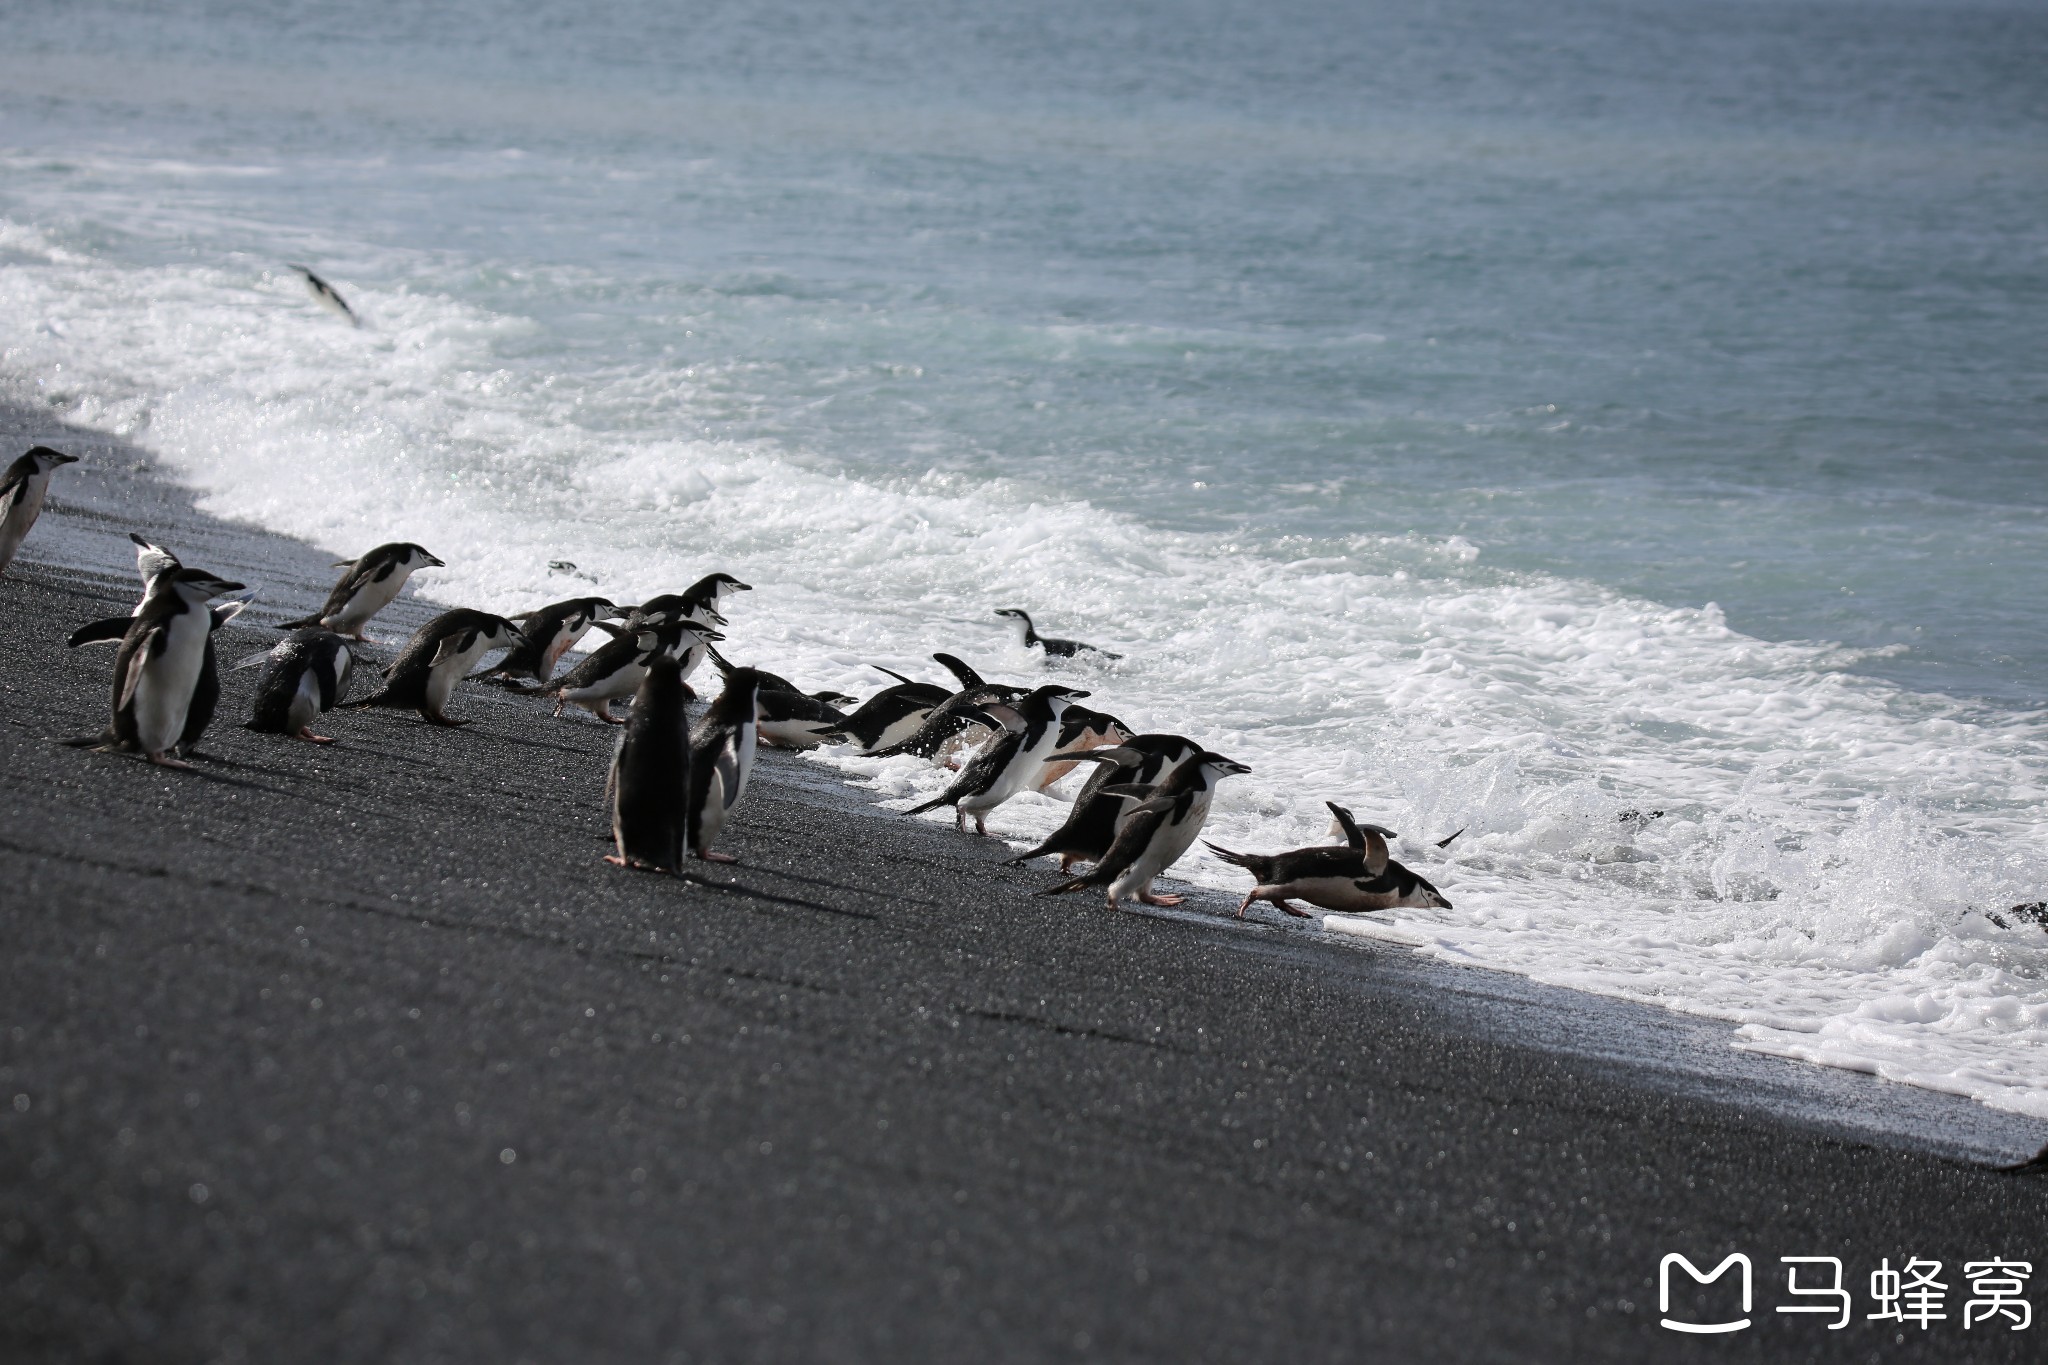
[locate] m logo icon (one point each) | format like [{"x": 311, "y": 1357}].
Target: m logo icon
[{"x": 1664, "y": 1291}]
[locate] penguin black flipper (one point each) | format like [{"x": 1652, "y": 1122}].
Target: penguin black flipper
[
  {"x": 108, "y": 631},
  {"x": 967, "y": 676},
  {"x": 976, "y": 776},
  {"x": 894, "y": 674}
]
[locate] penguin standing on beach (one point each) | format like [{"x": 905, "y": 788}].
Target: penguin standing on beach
[
  {"x": 1162, "y": 827},
  {"x": 1356, "y": 879},
  {"x": 154, "y": 564},
  {"x": 158, "y": 667},
  {"x": 546, "y": 634},
  {"x": 1091, "y": 825},
  {"x": 22, "y": 488},
  {"x": 1007, "y": 764},
  {"x": 1028, "y": 636},
  {"x": 649, "y": 783},
  {"x": 304, "y": 674},
  {"x": 439, "y": 655},
  {"x": 366, "y": 587},
  {"x": 721, "y": 761}
]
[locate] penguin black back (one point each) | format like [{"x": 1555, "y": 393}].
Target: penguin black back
[{"x": 650, "y": 773}]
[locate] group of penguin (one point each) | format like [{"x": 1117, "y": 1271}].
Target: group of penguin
[{"x": 672, "y": 787}]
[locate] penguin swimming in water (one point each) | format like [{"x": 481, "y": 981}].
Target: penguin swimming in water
[
  {"x": 22, "y": 488},
  {"x": 328, "y": 296},
  {"x": 366, "y": 587},
  {"x": 1092, "y": 825},
  {"x": 1027, "y": 636},
  {"x": 616, "y": 669},
  {"x": 649, "y": 783},
  {"x": 721, "y": 761},
  {"x": 304, "y": 674},
  {"x": 157, "y": 670},
  {"x": 1165, "y": 822},
  {"x": 439, "y": 655},
  {"x": 546, "y": 634},
  {"x": 1359, "y": 878},
  {"x": 153, "y": 564},
  {"x": 1006, "y": 764}
]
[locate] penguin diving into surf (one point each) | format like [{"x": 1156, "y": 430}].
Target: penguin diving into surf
[
  {"x": 1009, "y": 762},
  {"x": 721, "y": 761},
  {"x": 367, "y": 586},
  {"x": 157, "y": 669},
  {"x": 890, "y": 716},
  {"x": 328, "y": 296},
  {"x": 22, "y": 488},
  {"x": 1157, "y": 832},
  {"x": 1355, "y": 879},
  {"x": 649, "y": 783},
  {"x": 1027, "y": 636},
  {"x": 439, "y": 655},
  {"x": 1091, "y": 825},
  {"x": 304, "y": 674}
]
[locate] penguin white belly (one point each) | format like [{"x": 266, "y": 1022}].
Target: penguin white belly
[
  {"x": 1015, "y": 777},
  {"x": 305, "y": 704},
  {"x": 746, "y": 747},
  {"x": 1168, "y": 843},
  {"x": 369, "y": 599},
  {"x": 620, "y": 682},
  {"x": 564, "y": 640},
  {"x": 711, "y": 820},
  {"x": 15, "y": 525},
  {"x": 901, "y": 730},
  {"x": 163, "y": 693},
  {"x": 794, "y": 734},
  {"x": 441, "y": 679}
]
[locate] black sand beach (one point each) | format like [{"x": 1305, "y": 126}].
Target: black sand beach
[{"x": 360, "y": 1053}]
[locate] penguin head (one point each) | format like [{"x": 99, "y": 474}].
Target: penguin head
[
  {"x": 43, "y": 459},
  {"x": 1416, "y": 893},
  {"x": 197, "y": 585},
  {"x": 1018, "y": 618},
  {"x": 1055, "y": 697},
  {"x": 1215, "y": 766},
  {"x": 715, "y": 586},
  {"x": 416, "y": 557},
  {"x": 498, "y": 630}
]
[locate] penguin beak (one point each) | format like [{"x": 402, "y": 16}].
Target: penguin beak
[{"x": 434, "y": 563}]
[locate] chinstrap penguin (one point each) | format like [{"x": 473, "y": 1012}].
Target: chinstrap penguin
[
  {"x": 22, "y": 489},
  {"x": 721, "y": 761},
  {"x": 328, "y": 296},
  {"x": 1028, "y": 636},
  {"x": 1165, "y": 822},
  {"x": 158, "y": 668},
  {"x": 649, "y": 781},
  {"x": 1356, "y": 879},
  {"x": 1091, "y": 825},
  {"x": 546, "y": 634},
  {"x": 304, "y": 674},
  {"x": 615, "y": 670},
  {"x": 439, "y": 655},
  {"x": 1008, "y": 763},
  {"x": 366, "y": 587}
]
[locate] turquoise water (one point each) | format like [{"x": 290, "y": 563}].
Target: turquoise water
[{"x": 1498, "y": 415}]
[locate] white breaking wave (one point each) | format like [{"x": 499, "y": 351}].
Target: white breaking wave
[{"x": 1827, "y": 844}]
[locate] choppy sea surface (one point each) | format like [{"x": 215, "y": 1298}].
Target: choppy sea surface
[{"x": 1491, "y": 416}]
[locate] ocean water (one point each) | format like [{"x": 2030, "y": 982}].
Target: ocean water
[{"x": 1492, "y": 416}]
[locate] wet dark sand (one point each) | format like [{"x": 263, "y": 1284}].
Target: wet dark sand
[{"x": 361, "y": 1054}]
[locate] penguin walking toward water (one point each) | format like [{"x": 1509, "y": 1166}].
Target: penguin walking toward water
[
  {"x": 328, "y": 296},
  {"x": 22, "y": 488},
  {"x": 1165, "y": 823},
  {"x": 366, "y": 587},
  {"x": 1097, "y": 815},
  {"x": 1008, "y": 763},
  {"x": 439, "y": 655},
  {"x": 1028, "y": 637},
  {"x": 616, "y": 669},
  {"x": 721, "y": 761},
  {"x": 545, "y": 635},
  {"x": 889, "y": 717},
  {"x": 157, "y": 670},
  {"x": 154, "y": 564},
  {"x": 1080, "y": 731},
  {"x": 304, "y": 674},
  {"x": 649, "y": 785},
  {"x": 1356, "y": 879}
]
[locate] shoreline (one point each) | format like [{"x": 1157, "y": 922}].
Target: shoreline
[{"x": 1030, "y": 1122}]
